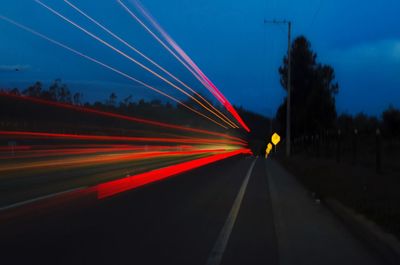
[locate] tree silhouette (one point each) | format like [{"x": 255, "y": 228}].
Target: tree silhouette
[
  {"x": 34, "y": 90},
  {"x": 77, "y": 98},
  {"x": 112, "y": 100},
  {"x": 391, "y": 121},
  {"x": 313, "y": 89},
  {"x": 53, "y": 89},
  {"x": 127, "y": 100}
]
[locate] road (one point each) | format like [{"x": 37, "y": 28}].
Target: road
[
  {"x": 241, "y": 210},
  {"x": 26, "y": 176}
]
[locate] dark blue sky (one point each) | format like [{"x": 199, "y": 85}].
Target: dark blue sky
[{"x": 226, "y": 38}]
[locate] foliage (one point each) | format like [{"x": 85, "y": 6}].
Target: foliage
[
  {"x": 18, "y": 114},
  {"x": 391, "y": 121},
  {"x": 313, "y": 88}
]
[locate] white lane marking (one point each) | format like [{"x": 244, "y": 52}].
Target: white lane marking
[
  {"x": 38, "y": 199},
  {"x": 222, "y": 240}
]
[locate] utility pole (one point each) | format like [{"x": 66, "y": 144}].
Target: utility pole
[{"x": 288, "y": 102}]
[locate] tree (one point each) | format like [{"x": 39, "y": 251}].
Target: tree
[
  {"x": 54, "y": 89},
  {"x": 34, "y": 90},
  {"x": 15, "y": 91},
  {"x": 58, "y": 92},
  {"x": 345, "y": 123},
  {"x": 391, "y": 121},
  {"x": 127, "y": 100},
  {"x": 313, "y": 91},
  {"x": 365, "y": 124},
  {"x": 77, "y": 98},
  {"x": 112, "y": 100},
  {"x": 64, "y": 95}
]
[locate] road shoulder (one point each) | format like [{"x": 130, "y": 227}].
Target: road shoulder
[{"x": 307, "y": 232}]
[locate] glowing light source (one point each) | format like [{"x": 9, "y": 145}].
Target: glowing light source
[
  {"x": 268, "y": 150},
  {"x": 275, "y": 138}
]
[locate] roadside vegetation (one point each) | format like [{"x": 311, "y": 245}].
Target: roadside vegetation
[
  {"x": 18, "y": 112},
  {"x": 354, "y": 159}
]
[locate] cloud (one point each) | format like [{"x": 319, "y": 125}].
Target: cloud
[{"x": 14, "y": 68}]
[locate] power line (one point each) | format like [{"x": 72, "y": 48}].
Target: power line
[
  {"x": 288, "y": 101},
  {"x": 316, "y": 14}
]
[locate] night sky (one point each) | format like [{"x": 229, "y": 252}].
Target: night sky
[{"x": 226, "y": 38}]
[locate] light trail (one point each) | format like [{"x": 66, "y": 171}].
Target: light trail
[
  {"x": 28, "y": 152},
  {"x": 155, "y": 169},
  {"x": 108, "y": 67},
  {"x": 189, "y": 62},
  {"x": 100, "y": 159},
  {"x": 55, "y": 161},
  {"x": 130, "y": 59},
  {"x": 151, "y": 61},
  {"x": 214, "y": 90},
  {"x": 160, "y": 41},
  {"x": 185, "y": 64},
  {"x": 15, "y": 148},
  {"x": 46, "y": 135},
  {"x": 118, "y": 116},
  {"x": 178, "y": 50},
  {"x": 117, "y": 186}
]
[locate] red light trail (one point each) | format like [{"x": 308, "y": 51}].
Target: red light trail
[
  {"x": 61, "y": 150},
  {"x": 46, "y": 153},
  {"x": 89, "y": 159},
  {"x": 118, "y": 116},
  {"x": 118, "y": 138},
  {"x": 117, "y": 186}
]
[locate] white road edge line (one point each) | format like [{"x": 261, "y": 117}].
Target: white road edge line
[
  {"x": 218, "y": 250},
  {"x": 18, "y": 204}
]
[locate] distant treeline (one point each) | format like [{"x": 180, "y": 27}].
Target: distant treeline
[
  {"x": 313, "y": 105},
  {"x": 388, "y": 123},
  {"x": 17, "y": 113}
]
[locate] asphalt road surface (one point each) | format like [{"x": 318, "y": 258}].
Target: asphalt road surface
[
  {"x": 238, "y": 211},
  {"x": 49, "y": 175}
]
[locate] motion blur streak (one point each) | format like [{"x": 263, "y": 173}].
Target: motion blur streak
[
  {"x": 151, "y": 61},
  {"x": 205, "y": 80},
  {"x": 107, "y": 67},
  {"x": 131, "y": 59},
  {"x": 163, "y": 44},
  {"x": 118, "y": 116},
  {"x": 45, "y": 135},
  {"x": 117, "y": 186},
  {"x": 101, "y": 159},
  {"x": 61, "y": 150},
  {"x": 212, "y": 88}
]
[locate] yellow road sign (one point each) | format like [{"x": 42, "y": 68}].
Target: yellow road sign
[
  {"x": 275, "y": 139},
  {"x": 268, "y": 149},
  {"x": 269, "y": 146}
]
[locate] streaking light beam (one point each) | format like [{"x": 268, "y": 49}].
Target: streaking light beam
[
  {"x": 188, "y": 62},
  {"x": 117, "y": 186},
  {"x": 108, "y": 67}
]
